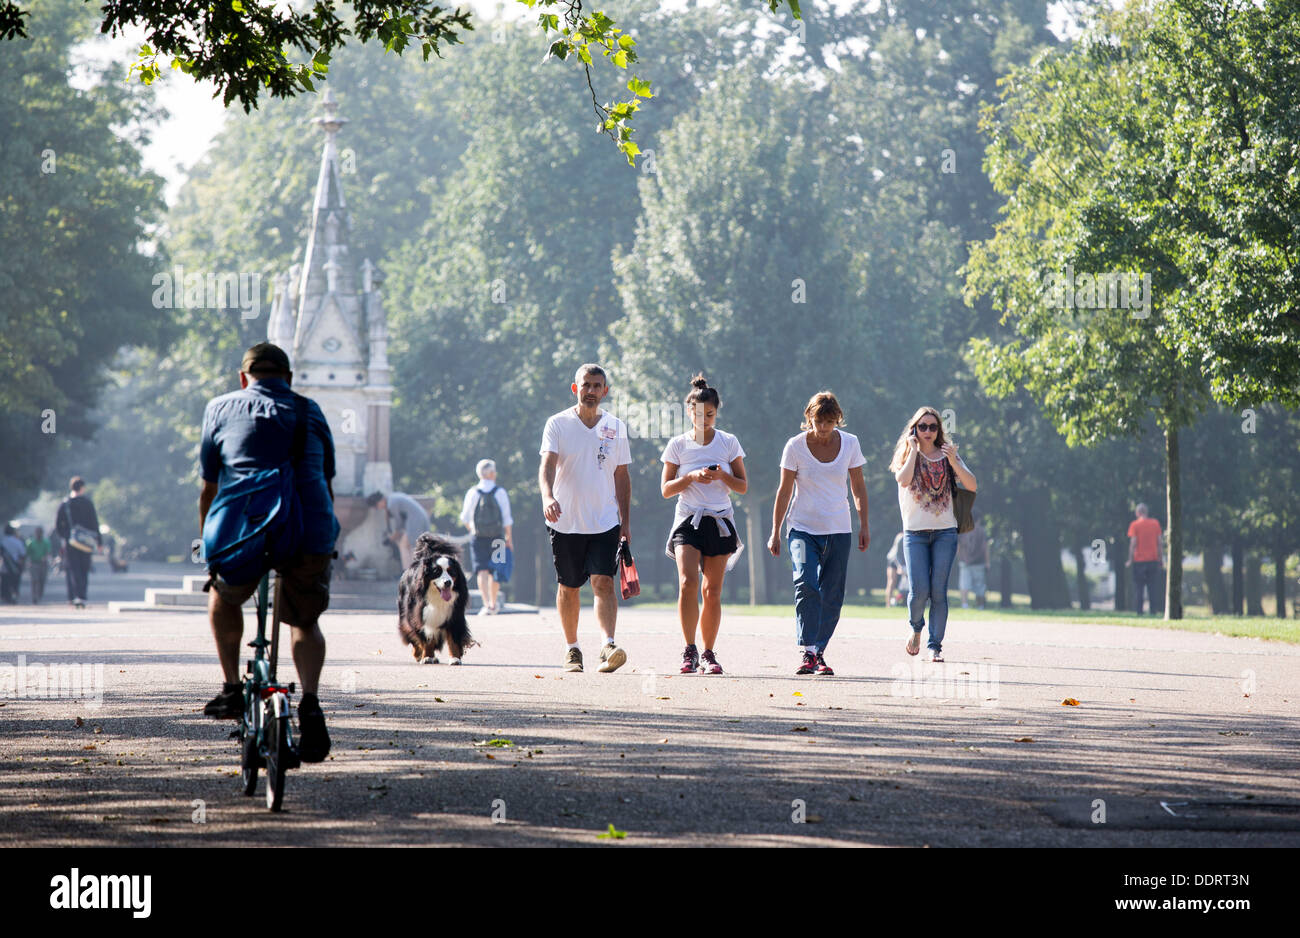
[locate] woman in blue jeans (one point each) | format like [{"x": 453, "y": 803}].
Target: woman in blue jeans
[
  {"x": 923, "y": 465},
  {"x": 814, "y": 468}
]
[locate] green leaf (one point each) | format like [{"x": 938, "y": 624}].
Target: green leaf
[
  {"x": 612, "y": 834},
  {"x": 626, "y": 42},
  {"x": 584, "y": 53},
  {"x": 620, "y": 58},
  {"x": 639, "y": 87}
]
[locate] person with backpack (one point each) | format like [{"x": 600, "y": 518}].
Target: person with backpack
[
  {"x": 266, "y": 447},
  {"x": 486, "y": 514},
  {"x": 78, "y": 527},
  {"x": 12, "y": 556}
]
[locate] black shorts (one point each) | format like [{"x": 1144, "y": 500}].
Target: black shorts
[
  {"x": 579, "y": 556},
  {"x": 707, "y": 538},
  {"x": 304, "y": 589}
]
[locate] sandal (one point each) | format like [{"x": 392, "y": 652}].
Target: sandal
[{"x": 914, "y": 644}]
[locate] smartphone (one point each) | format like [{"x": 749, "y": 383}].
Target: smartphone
[{"x": 712, "y": 468}]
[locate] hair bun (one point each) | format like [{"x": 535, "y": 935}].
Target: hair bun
[{"x": 699, "y": 381}]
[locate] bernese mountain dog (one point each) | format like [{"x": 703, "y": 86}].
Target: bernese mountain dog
[{"x": 431, "y": 600}]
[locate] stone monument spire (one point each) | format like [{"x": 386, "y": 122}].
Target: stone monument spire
[{"x": 336, "y": 335}]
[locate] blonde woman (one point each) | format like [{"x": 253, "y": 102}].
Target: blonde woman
[
  {"x": 815, "y": 465},
  {"x": 702, "y": 468},
  {"x": 923, "y": 465}
]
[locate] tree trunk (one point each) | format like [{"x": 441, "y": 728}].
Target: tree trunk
[
  {"x": 1042, "y": 549},
  {"x": 1238, "y": 578},
  {"x": 1081, "y": 578},
  {"x": 756, "y": 548},
  {"x": 1216, "y": 587},
  {"x": 1174, "y": 514},
  {"x": 1005, "y": 577},
  {"x": 1279, "y": 577},
  {"x": 1254, "y": 586},
  {"x": 1118, "y": 556}
]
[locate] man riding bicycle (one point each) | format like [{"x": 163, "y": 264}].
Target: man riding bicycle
[{"x": 251, "y": 430}]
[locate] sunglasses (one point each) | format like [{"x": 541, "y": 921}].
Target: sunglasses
[{"x": 925, "y": 427}]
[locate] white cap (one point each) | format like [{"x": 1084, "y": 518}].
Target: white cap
[{"x": 483, "y": 466}]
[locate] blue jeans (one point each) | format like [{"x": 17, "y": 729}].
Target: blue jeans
[
  {"x": 929, "y": 561},
  {"x": 820, "y": 564}
]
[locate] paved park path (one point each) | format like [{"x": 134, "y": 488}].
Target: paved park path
[{"x": 889, "y": 752}]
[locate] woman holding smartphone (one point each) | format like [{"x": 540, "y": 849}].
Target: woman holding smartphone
[
  {"x": 702, "y": 468},
  {"x": 815, "y": 465},
  {"x": 923, "y": 465}
]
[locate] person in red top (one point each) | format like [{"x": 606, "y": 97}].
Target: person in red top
[{"x": 1145, "y": 557}]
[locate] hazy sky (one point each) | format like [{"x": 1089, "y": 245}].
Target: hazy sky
[{"x": 196, "y": 116}]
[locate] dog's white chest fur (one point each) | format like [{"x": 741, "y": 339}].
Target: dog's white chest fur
[{"x": 436, "y": 609}]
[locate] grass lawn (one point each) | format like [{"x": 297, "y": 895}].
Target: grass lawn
[{"x": 1196, "y": 620}]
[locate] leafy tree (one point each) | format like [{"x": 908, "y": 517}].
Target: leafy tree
[
  {"x": 243, "y": 47},
  {"x": 75, "y": 207}
]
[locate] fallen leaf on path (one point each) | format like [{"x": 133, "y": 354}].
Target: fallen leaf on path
[
  {"x": 80, "y": 722},
  {"x": 796, "y": 694},
  {"x": 663, "y": 698},
  {"x": 1025, "y": 739},
  {"x": 438, "y": 700},
  {"x": 1069, "y": 702},
  {"x": 813, "y": 819},
  {"x": 799, "y": 729},
  {"x": 612, "y": 834}
]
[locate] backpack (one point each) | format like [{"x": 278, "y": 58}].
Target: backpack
[
  {"x": 487, "y": 515},
  {"x": 255, "y": 524}
]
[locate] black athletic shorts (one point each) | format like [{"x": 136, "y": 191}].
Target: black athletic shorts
[
  {"x": 304, "y": 590},
  {"x": 707, "y": 538},
  {"x": 579, "y": 556}
]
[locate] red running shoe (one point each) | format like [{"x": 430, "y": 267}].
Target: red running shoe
[
  {"x": 823, "y": 667},
  {"x": 809, "y": 665},
  {"x": 709, "y": 664},
  {"x": 690, "y": 660}
]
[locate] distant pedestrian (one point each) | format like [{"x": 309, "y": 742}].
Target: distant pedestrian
[
  {"x": 486, "y": 513},
  {"x": 972, "y": 563},
  {"x": 587, "y": 502},
  {"x": 896, "y": 571},
  {"x": 12, "y": 557},
  {"x": 815, "y": 465},
  {"x": 923, "y": 464},
  {"x": 39, "y": 549},
  {"x": 406, "y": 521},
  {"x": 702, "y": 468},
  {"x": 78, "y": 526},
  {"x": 1146, "y": 559}
]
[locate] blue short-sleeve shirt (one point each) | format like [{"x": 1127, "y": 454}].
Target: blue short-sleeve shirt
[{"x": 252, "y": 429}]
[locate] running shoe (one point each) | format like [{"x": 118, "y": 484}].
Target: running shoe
[
  {"x": 809, "y": 665},
  {"x": 709, "y": 663},
  {"x": 573, "y": 659},
  {"x": 822, "y": 667},
  {"x": 690, "y": 660},
  {"x": 611, "y": 658}
]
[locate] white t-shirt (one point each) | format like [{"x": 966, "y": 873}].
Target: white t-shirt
[
  {"x": 584, "y": 476},
  {"x": 472, "y": 498},
  {"x": 689, "y": 456},
  {"x": 926, "y": 504},
  {"x": 821, "y": 504}
]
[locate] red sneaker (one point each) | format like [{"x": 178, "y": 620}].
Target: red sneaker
[
  {"x": 809, "y": 665},
  {"x": 823, "y": 667},
  {"x": 690, "y": 660},
  {"x": 709, "y": 664}
]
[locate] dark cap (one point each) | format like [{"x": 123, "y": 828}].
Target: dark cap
[{"x": 265, "y": 357}]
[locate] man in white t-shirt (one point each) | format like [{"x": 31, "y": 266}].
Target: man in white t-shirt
[{"x": 587, "y": 501}]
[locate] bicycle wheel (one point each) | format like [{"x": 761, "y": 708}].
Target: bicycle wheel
[
  {"x": 277, "y": 760},
  {"x": 248, "y": 762}
]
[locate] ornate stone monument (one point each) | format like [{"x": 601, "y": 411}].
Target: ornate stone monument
[{"x": 331, "y": 322}]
